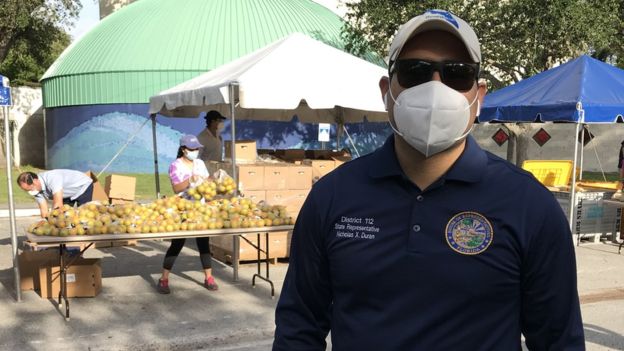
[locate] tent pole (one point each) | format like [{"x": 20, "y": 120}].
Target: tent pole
[
  {"x": 233, "y": 98},
  {"x": 581, "y": 120},
  {"x": 9, "y": 167},
  {"x": 582, "y": 152},
  {"x": 156, "y": 175},
  {"x": 236, "y": 242}
]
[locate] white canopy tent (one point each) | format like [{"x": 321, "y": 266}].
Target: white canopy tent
[{"x": 295, "y": 75}]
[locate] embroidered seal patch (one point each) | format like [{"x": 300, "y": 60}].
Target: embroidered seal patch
[{"x": 469, "y": 233}]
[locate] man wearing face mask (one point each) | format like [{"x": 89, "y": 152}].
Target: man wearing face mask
[
  {"x": 430, "y": 242},
  {"x": 210, "y": 137},
  {"x": 186, "y": 172},
  {"x": 61, "y": 186}
]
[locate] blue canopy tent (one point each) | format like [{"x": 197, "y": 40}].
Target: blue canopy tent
[{"x": 583, "y": 90}]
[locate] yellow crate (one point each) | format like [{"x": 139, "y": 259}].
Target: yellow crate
[{"x": 550, "y": 172}]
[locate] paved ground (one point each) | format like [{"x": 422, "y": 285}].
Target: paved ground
[{"x": 129, "y": 315}]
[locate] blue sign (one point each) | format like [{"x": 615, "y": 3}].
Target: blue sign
[
  {"x": 5, "y": 92},
  {"x": 5, "y": 96}
]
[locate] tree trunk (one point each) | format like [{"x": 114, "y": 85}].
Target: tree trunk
[
  {"x": 523, "y": 147},
  {"x": 511, "y": 147}
]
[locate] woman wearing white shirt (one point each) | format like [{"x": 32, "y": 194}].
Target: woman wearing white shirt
[{"x": 186, "y": 171}]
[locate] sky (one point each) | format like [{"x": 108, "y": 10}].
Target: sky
[{"x": 90, "y": 15}]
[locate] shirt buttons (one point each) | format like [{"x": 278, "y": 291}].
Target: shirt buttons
[
  {"x": 416, "y": 228},
  {"x": 419, "y": 198}
]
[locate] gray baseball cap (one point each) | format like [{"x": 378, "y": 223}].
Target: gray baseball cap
[
  {"x": 435, "y": 20},
  {"x": 190, "y": 141}
]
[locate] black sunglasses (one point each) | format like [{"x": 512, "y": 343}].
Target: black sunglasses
[{"x": 456, "y": 75}]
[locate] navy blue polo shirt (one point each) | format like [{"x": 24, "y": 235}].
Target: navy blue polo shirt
[{"x": 481, "y": 256}]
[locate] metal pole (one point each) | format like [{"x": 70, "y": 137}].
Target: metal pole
[
  {"x": 45, "y": 141},
  {"x": 9, "y": 167},
  {"x": 233, "y": 98},
  {"x": 156, "y": 175},
  {"x": 582, "y": 152},
  {"x": 573, "y": 189}
]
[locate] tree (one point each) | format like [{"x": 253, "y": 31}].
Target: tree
[
  {"x": 32, "y": 31},
  {"x": 32, "y": 53},
  {"x": 519, "y": 38}
]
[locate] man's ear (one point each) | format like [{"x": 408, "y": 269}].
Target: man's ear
[
  {"x": 482, "y": 90},
  {"x": 384, "y": 85}
]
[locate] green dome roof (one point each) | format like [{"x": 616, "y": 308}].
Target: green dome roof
[{"x": 151, "y": 45}]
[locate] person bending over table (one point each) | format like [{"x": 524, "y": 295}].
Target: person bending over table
[
  {"x": 185, "y": 172},
  {"x": 62, "y": 186}
]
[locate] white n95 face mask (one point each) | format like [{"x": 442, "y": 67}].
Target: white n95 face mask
[
  {"x": 192, "y": 155},
  {"x": 431, "y": 117}
]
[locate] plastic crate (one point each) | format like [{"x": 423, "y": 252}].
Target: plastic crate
[
  {"x": 591, "y": 216},
  {"x": 550, "y": 172}
]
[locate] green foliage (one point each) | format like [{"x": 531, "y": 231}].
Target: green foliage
[
  {"x": 33, "y": 35},
  {"x": 519, "y": 38},
  {"x": 32, "y": 53}
]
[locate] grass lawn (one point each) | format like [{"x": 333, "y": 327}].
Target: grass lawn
[{"x": 145, "y": 186}]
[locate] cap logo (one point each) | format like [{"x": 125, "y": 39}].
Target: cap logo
[
  {"x": 445, "y": 15},
  {"x": 469, "y": 233}
]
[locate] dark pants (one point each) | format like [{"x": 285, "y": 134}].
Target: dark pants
[
  {"x": 203, "y": 245},
  {"x": 85, "y": 197}
]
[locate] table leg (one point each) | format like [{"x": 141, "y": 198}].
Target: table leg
[
  {"x": 63, "y": 281},
  {"x": 266, "y": 261},
  {"x": 235, "y": 258},
  {"x": 60, "y": 294},
  {"x": 621, "y": 230}
]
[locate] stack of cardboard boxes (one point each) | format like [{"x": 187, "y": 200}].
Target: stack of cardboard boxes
[
  {"x": 284, "y": 183},
  {"x": 40, "y": 271}
]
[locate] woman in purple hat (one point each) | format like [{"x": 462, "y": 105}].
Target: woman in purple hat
[{"x": 186, "y": 171}]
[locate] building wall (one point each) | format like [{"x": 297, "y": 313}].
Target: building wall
[
  {"x": 26, "y": 116},
  {"x": 109, "y": 6},
  {"x": 88, "y": 137}
]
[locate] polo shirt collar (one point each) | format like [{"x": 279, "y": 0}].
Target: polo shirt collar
[
  {"x": 471, "y": 164},
  {"x": 469, "y": 167}
]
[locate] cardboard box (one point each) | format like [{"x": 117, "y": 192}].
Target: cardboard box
[
  {"x": 84, "y": 279},
  {"x": 275, "y": 177},
  {"x": 255, "y": 195},
  {"x": 98, "y": 191},
  {"x": 120, "y": 187},
  {"x": 320, "y": 167},
  {"x": 120, "y": 202},
  {"x": 250, "y": 177},
  {"x": 118, "y": 243},
  {"x": 339, "y": 160},
  {"x": 291, "y": 155},
  {"x": 221, "y": 246},
  {"x": 72, "y": 247},
  {"x": 29, "y": 264},
  {"x": 245, "y": 150},
  {"x": 292, "y": 199},
  {"x": 298, "y": 177},
  {"x": 318, "y": 154}
]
